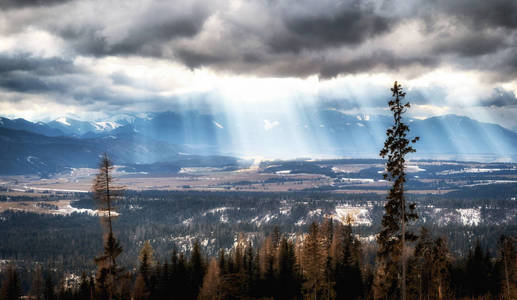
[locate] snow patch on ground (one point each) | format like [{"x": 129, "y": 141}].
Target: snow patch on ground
[
  {"x": 316, "y": 212},
  {"x": 53, "y": 190},
  {"x": 264, "y": 220},
  {"x": 469, "y": 216},
  {"x": 216, "y": 210},
  {"x": 414, "y": 169},
  {"x": 68, "y": 210},
  {"x": 464, "y": 216},
  {"x": 357, "y": 180},
  {"x": 470, "y": 170},
  {"x": 134, "y": 207},
  {"x": 300, "y": 222},
  {"x": 283, "y": 172},
  {"x": 360, "y": 215}
]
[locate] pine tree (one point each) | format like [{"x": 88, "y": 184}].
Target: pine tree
[
  {"x": 197, "y": 269},
  {"x": 420, "y": 274},
  {"x": 49, "y": 291},
  {"x": 250, "y": 271},
  {"x": 440, "y": 269},
  {"x": 478, "y": 269},
  {"x": 163, "y": 274},
  {"x": 211, "y": 282},
  {"x": 146, "y": 263},
  {"x": 181, "y": 276},
  {"x": 314, "y": 264},
  {"x": 393, "y": 236},
  {"x": 84, "y": 288},
  {"x": 140, "y": 289},
  {"x": 287, "y": 275},
  {"x": 267, "y": 267},
  {"x": 36, "y": 291},
  {"x": 11, "y": 286},
  {"x": 143, "y": 285},
  {"x": 106, "y": 194},
  {"x": 508, "y": 268},
  {"x": 346, "y": 267}
]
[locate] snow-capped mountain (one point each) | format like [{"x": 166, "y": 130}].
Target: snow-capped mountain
[{"x": 160, "y": 137}]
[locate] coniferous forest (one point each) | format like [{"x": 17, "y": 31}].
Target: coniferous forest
[{"x": 328, "y": 260}]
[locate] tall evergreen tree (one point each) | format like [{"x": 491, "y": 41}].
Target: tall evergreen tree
[
  {"x": 393, "y": 236},
  {"x": 84, "y": 292},
  {"x": 346, "y": 269},
  {"x": 440, "y": 269},
  {"x": 37, "y": 287},
  {"x": 508, "y": 268},
  {"x": 182, "y": 279},
  {"x": 478, "y": 269},
  {"x": 211, "y": 283},
  {"x": 146, "y": 263},
  {"x": 287, "y": 274},
  {"x": 49, "y": 292},
  {"x": 314, "y": 264},
  {"x": 144, "y": 288},
  {"x": 11, "y": 287},
  {"x": 420, "y": 271},
  {"x": 106, "y": 193},
  {"x": 197, "y": 269}
]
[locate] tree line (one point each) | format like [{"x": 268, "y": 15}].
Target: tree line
[{"x": 327, "y": 262}]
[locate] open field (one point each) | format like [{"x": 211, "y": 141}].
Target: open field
[{"x": 340, "y": 176}]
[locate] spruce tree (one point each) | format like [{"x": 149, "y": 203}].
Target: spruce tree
[
  {"x": 211, "y": 282},
  {"x": 197, "y": 269},
  {"x": 420, "y": 275},
  {"x": 36, "y": 291},
  {"x": 109, "y": 274},
  {"x": 440, "y": 269},
  {"x": 143, "y": 288},
  {"x": 84, "y": 288},
  {"x": 49, "y": 291},
  {"x": 11, "y": 287},
  {"x": 508, "y": 268},
  {"x": 314, "y": 264},
  {"x": 393, "y": 236},
  {"x": 478, "y": 271},
  {"x": 287, "y": 277}
]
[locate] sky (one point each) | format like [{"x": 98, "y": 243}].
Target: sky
[{"x": 92, "y": 59}]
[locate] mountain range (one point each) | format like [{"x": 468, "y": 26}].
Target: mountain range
[{"x": 195, "y": 138}]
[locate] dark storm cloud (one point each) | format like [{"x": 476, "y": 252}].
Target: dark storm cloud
[
  {"x": 35, "y": 65},
  {"x": 284, "y": 38},
  {"x": 349, "y": 26},
  {"x": 194, "y": 59},
  {"x": 380, "y": 61},
  {"x": 481, "y": 13},
  {"x": 147, "y": 35},
  {"x": 500, "y": 98},
  {"x": 29, "y": 83},
  {"x": 26, "y": 73},
  {"x": 291, "y": 38},
  {"x": 11, "y": 4},
  {"x": 332, "y": 41},
  {"x": 471, "y": 44}
]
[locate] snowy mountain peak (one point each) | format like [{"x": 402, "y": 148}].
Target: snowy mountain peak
[
  {"x": 63, "y": 121},
  {"x": 106, "y": 126}
]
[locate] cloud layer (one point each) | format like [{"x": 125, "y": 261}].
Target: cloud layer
[{"x": 145, "y": 54}]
